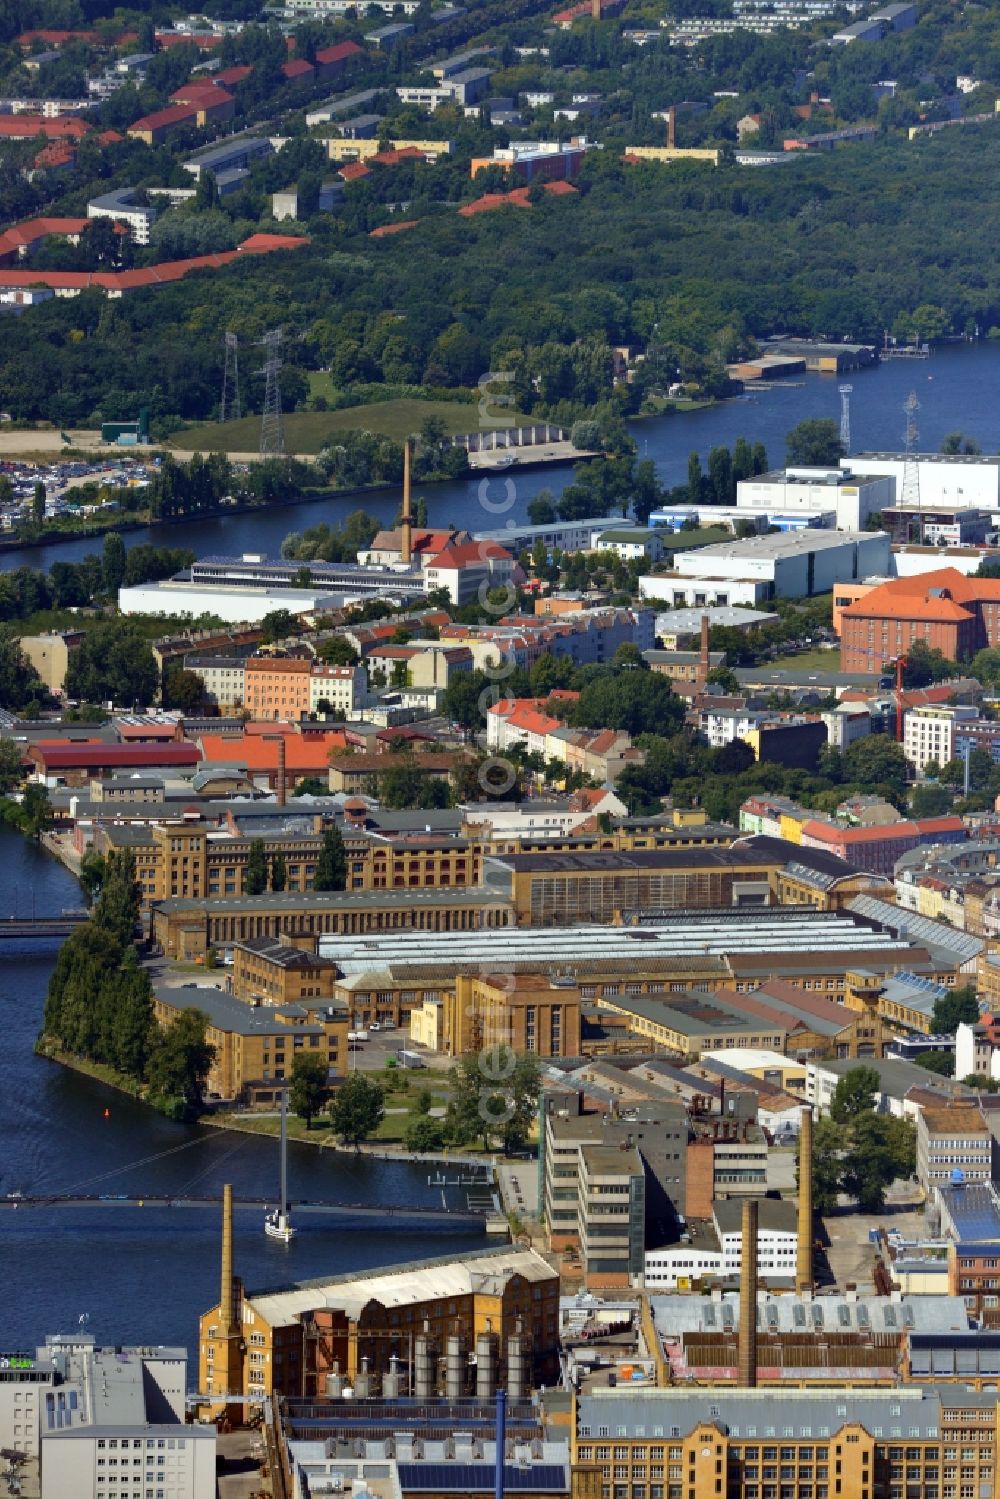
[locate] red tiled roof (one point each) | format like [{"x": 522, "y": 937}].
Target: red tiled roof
[
  {"x": 339, "y": 53},
  {"x": 59, "y": 154},
  {"x": 205, "y": 95},
  {"x": 298, "y": 68},
  {"x": 926, "y": 825},
  {"x": 175, "y": 114},
  {"x": 56, "y": 38},
  {"x": 203, "y": 40},
  {"x": 93, "y": 756},
  {"x": 231, "y": 76},
  {"x": 110, "y": 137},
  {"x": 396, "y": 228},
  {"x": 25, "y": 126},
  {"x": 354, "y": 171},
  {"x": 466, "y": 554},
  {"x": 392, "y": 158},
  {"x": 518, "y": 198},
  {"x": 29, "y": 231},
  {"x": 944, "y": 595},
  {"x": 302, "y": 752},
  {"x": 153, "y": 275}
]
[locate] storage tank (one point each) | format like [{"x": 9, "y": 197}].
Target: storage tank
[
  {"x": 515, "y": 1364},
  {"x": 486, "y": 1366},
  {"x": 423, "y": 1382},
  {"x": 362, "y": 1382},
  {"x": 391, "y": 1381},
  {"x": 455, "y": 1367},
  {"x": 335, "y": 1382}
]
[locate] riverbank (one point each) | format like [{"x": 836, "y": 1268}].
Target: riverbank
[{"x": 97, "y": 1070}]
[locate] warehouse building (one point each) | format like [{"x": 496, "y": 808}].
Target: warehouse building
[{"x": 787, "y": 565}]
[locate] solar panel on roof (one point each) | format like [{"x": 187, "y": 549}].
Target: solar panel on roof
[{"x": 479, "y": 1477}]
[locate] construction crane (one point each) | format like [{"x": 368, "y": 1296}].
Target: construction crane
[{"x": 900, "y": 663}]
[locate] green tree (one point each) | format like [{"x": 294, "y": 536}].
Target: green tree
[
  {"x": 331, "y": 861},
  {"x": 882, "y": 1149},
  {"x": 925, "y": 664},
  {"x": 279, "y": 872},
  {"x": 338, "y": 652},
  {"x": 179, "y": 1064},
  {"x": 827, "y": 1141},
  {"x": 542, "y": 510},
  {"x": 724, "y": 677},
  {"x": 931, "y": 801},
  {"x": 116, "y": 909},
  {"x": 941, "y": 1062},
  {"x": 112, "y": 663},
  {"x": 424, "y": 1135},
  {"x": 876, "y": 761},
  {"x": 357, "y": 1109},
  {"x": 642, "y": 702},
  {"x": 92, "y": 872},
  {"x": 954, "y": 1009},
  {"x": 35, "y": 815},
  {"x": 814, "y": 443},
  {"x": 11, "y": 765},
  {"x": 278, "y": 625},
  {"x": 19, "y": 682},
  {"x": 184, "y": 690},
  {"x": 981, "y": 1082},
  {"x": 309, "y": 1089},
  {"x": 495, "y": 1093},
  {"x": 854, "y": 1094},
  {"x": 957, "y": 442},
  {"x": 255, "y": 879},
  {"x": 113, "y": 564},
  {"x": 127, "y": 999},
  {"x": 38, "y": 504}
]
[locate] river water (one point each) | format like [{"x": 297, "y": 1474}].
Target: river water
[
  {"x": 144, "y": 1275},
  {"x": 957, "y": 389}
]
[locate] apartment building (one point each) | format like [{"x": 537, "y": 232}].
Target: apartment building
[
  {"x": 954, "y": 1145},
  {"x": 930, "y": 731},
  {"x": 277, "y": 687},
  {"x": 340, "y": 690},
  {"x": 223, "y": 679}
]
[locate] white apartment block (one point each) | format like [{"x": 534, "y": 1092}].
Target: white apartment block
[
  {"x": 676, "y": 1267},
  {"x": 345, "y": 688},
  {"x": 224, "y": 679},
  {"x": 929, "y": 733},
  {"x": 163, "y": 1462}
]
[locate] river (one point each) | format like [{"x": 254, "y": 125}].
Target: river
[
  {"x": 143, "y": 1275},
  {"x": 957, "y": 390}
]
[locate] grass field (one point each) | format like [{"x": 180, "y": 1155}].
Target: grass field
[
  {"x": 309, "y": 431},
  {"x": 814, "y": 660}
]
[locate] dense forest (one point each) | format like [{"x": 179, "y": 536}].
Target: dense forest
[{"x": 688, "y": 259}]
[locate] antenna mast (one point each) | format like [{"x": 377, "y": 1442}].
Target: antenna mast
[
  {"x": 229, "y": 406},
  {"x": 272, "y": 435}
]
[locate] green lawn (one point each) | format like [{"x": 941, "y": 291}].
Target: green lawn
[
  {"x": 809, "y": 661},
  {"x": 309, "y": 431}
]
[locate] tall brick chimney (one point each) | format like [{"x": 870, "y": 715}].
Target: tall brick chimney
[
  {"x": 672, "y": 129},
  {"x": 804, "y": 1255},
  {"x": 747, "y": 1376}
]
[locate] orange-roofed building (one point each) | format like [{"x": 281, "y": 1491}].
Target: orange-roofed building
[
  {"x": 18, "y": 242},
  {"x": 56, "y": 157},
  {"x": 465, "y": 569},
  {"x": 263, "y": 244},
  {"x": 26, "y": 127},
  {"x": 332, "y": 62},
  {"x": 397, "y": 228},
  {"x": 230, "y": 77},
  {"x": 877, "y": 848},
  {"x": 210, "y": 101},
  {"x": 354, "y": 171},
  {"x": 305, "y": 754},
  {"x": 948, "y": 611},
  {"x": 520, "y": 720},
  {"x": 298, "y": 71},
  {"x": 156, "y": 127},
  {"x": 277, "y": 687},
  {"x": 518, "y": 198}
]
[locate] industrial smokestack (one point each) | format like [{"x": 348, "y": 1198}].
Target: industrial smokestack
[
  {"x": 595, "y": 10},
  {"x": 227, "y": 1320},
  {"x": 748, "y": 1297},
  {"x": 704, "y": 657},
  {"x": 672, "y": 129},
  {"x": 804, "y": 1256},
  {"x": 406, "y": 524},
  {"x": 282, "y": 785}
]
